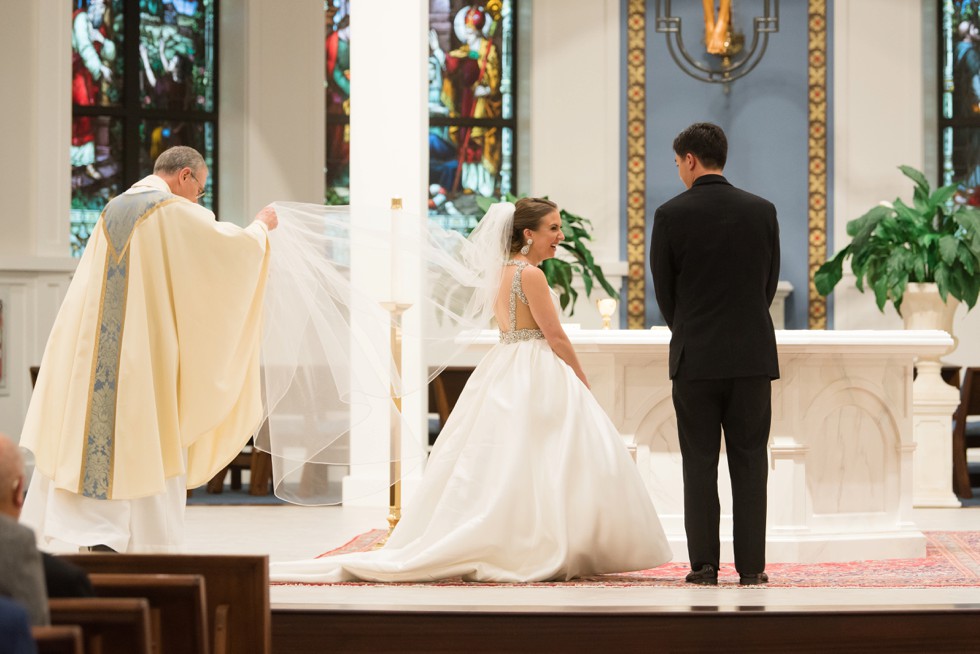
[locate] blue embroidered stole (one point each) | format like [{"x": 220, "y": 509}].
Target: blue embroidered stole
[{"x": 119, "y": 221}]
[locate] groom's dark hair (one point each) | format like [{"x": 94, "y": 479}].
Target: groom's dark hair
[{"x": 706, "y": 141}]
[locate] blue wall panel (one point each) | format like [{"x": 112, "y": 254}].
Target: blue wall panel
[{"x": 764, "y": 116}]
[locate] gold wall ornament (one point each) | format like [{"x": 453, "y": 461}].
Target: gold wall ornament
[
  {"x": 718, "y": 29},
  {"x": 721, "y": 38},
  {"x": 817, "y": 151},
  {"x": 636, "y": 164}
]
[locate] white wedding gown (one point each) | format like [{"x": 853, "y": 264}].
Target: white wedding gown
[{"x": 528, "y": 481}]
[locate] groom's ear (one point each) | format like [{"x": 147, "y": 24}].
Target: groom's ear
[{"x": 690, "y": 161}]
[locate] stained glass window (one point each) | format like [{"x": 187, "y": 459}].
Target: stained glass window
[
  {"x": 143, "y": 79},
  {"x": 177, "y": 54},
  {"x": 96, "y": 180},
  {"x": 337, "y": 85},
  {"x": 471, "y": 107},
  {"x": 158, "y": 135},
  {"x": 959, "y": 118}
]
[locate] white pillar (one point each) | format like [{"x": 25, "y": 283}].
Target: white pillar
[
  {"x": 271, "y": 106},
  {"x": 933, "y": 403},
  {"x": 388, "y": 159},
  {"x": 788, "y": 479}
]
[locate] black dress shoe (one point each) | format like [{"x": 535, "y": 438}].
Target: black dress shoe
[
  {"x": 706, "y": 576},
  {"x": 753, "y": 579},
  {"x": 97, "y": 548}
]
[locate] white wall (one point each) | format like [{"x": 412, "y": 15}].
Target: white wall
[
  {"x": 877, "y": 127},
  {"x": 575, "y": 127},
  {"x": 884, "y": 116},
  {"x": 35, "y": 128}
]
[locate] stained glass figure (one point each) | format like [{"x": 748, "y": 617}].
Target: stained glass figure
[
  {"x": 96, "y": 71},
  {"x": 337, "y": 87},
  {"x": 96, "y": 47},
  {"x": 118, "y": 130},
  {"x": 158, "y": 135},
  {"x": 176, "y": 54},
  {"x": 471, "y": 106},
  {"x": 93, "y": 185},
  {"x": 960, "y": 97}
]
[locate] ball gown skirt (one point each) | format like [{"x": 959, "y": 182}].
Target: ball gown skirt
[{"x": 528, "y": 481}]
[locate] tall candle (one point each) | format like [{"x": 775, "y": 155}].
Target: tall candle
[{"x": 397, "y": 274}]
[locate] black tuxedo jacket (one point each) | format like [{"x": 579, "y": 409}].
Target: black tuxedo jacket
[{"x": 715, "y": 262}]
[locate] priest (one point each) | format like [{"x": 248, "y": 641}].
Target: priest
[{"x": 149, "y": 383}]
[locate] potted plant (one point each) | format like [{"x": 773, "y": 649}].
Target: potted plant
[
  {"x": 577, "y": 259},
  {"x": 935, "y": 240}
]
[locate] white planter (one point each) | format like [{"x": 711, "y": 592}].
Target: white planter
[{"x": 923, "y": 308}]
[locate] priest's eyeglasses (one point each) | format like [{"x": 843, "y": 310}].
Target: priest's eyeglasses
[{"x": 200, "y": 194}]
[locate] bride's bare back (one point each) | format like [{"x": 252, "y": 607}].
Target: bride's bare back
[{"x": 501, "y": 307}]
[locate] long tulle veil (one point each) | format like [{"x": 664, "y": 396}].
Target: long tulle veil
[{"x": 322, "y": 372}]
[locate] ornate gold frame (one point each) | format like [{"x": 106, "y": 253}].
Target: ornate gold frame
[
  {"x": 636, "y": 225},
  {"x": 636, "y": 163},
  {"x": 817, "y": 151}
]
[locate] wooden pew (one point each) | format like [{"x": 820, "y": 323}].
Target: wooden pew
[
  {"x": 61, "y": 639},
  {"x": 236, "y": 587},
  {"x": 109, "y": 626},
  {"x": 178, "y": 608}
]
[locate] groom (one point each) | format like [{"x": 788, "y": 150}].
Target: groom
[{"x": 715, "y": 264}]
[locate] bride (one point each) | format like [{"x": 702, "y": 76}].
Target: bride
[{"x": 529, "y": 479}]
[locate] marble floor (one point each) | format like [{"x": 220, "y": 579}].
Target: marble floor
[{"x": 292, "y": 532}]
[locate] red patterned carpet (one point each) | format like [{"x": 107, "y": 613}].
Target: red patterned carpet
[{"x": 952, "y": 560}]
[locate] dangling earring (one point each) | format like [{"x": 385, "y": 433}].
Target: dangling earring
[{"x": 526, "y": 248}]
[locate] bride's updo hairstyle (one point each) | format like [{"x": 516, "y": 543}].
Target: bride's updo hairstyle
[{"x": 528, "y": 213}]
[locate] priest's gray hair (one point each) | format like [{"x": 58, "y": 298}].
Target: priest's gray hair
[{"x": 175, "y": 159}]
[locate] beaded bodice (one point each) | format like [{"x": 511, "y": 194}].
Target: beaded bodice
[{"x": 515, "y": 335}]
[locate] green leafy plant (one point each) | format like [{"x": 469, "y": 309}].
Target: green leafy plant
[
  {"x": 936, "y": 239},
  {"x": 577, "y": 259}
]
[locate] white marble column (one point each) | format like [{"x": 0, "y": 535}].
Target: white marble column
[
  {"x": 389, "y": 159},
  {"x": 932, "y": 428},
  {"x": 934, "y": 402},
  {"x": 271, "y": 105}
]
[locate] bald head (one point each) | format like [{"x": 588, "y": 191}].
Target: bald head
[{"x": 11, "y": 478}]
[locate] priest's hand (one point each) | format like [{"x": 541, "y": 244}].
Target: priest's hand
[{"x": 268, "y": 216}]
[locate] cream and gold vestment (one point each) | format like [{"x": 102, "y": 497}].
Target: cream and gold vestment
[{"x": 151, "y": 371}]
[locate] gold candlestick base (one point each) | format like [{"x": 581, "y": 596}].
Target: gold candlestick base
[{"x": 396, "y": 309}]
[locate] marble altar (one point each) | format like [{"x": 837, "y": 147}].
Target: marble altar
[{"x": 841, "y": 447}]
